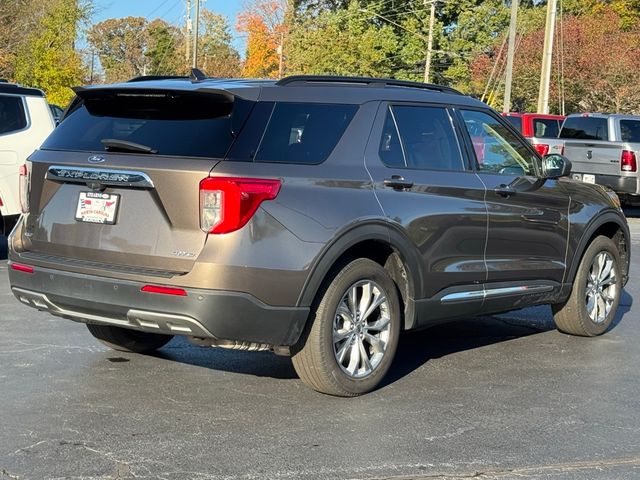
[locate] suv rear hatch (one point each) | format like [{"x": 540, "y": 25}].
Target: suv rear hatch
[{"x": 116, "y": 186}]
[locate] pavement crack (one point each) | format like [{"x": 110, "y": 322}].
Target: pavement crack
[{"x": 8, "y": 475}]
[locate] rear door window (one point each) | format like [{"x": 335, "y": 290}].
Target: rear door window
[
  {"x": 585, "y": 128},
  {"x": 420, "y": 138},
  {"x": 546, "y": 128},
  {"x": 12, "y": 114},
  {"x": 304, "y": 133},
  {"x": 630, "y": 130}
]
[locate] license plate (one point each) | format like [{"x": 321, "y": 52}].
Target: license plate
[
  {"x": 588, "y": 178},
  {"x": 95, "y": 207}
]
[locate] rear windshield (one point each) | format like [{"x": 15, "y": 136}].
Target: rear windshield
[
  {"x": 515, "y": 121},
  {"x": 630, "y": 130},
  {"x": 546, "y": 128},
  {"x": 585, "y": 128},
  {"x": 175, "y": 124}
]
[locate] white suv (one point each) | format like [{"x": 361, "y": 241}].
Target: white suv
[{"x": 25, "y": 121}]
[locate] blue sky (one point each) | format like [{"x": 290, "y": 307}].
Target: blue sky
[{"x": 172, "y": 11}]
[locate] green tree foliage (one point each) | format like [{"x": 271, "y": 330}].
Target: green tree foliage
[
  {"x": 217, "y": 56},
  {"x": 47, "y": 58},
  {"x": 341, "y": 42}
]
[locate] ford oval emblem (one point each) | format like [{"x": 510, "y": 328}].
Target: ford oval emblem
[{"x": 96, "y": 159}]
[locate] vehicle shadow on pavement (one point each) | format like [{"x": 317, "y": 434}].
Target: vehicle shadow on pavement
[{"x": 415, "y": 348}]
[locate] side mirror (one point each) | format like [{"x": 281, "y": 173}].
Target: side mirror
[{"x": 555, "y": 166}]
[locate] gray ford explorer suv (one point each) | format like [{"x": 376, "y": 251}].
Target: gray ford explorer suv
[{"x": 316, "y": 217}]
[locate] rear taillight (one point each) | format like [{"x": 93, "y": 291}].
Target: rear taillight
[
  {"x": 542, "y": 148},
  {"x": 23, "y": 187},
  {"x": 628, "y": 163},
  {"x": 227, "y": 203}
]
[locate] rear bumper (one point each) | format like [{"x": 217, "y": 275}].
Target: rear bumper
[
  {"x": 619, "y": 184},
  {"x": 223, "y": 315}
]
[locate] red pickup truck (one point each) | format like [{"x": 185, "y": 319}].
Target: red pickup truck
[{"x": 541, "y": 130}]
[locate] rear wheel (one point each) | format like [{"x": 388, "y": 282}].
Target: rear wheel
[
  {"x": 125, "y": 340},
  {"x": 595, "y": 296},
  {"x": 353, "y": 336}
]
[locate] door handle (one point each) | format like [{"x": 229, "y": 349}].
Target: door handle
[
  {"x": 504, "y": 190},
  {"x": 398, "y": 183}
]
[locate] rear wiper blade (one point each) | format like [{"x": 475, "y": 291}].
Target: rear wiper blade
[{"x": 115, "y": 145}]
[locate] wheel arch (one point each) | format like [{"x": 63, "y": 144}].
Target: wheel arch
[
  {"x": 609, "y": 224},
  {"x": 379, "y": 241}
]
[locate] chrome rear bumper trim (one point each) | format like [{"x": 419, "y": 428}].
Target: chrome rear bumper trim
[{"x": 143, "y": 320}]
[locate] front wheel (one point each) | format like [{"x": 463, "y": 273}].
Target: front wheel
[
  {"x": 353, "y": 336},
  {"x": 596, "y": 292},
  {"x": 125, "y": 340}
]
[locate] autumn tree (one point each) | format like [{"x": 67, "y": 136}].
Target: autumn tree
[
  {"x": 598, "y": 62},
  {"x": 341, "y": 42},
  {"x": 47, "y": 59},
  {"x": 216, "y": 55},
  {"x": 263, "y": 23}
]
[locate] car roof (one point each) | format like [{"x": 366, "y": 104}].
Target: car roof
[
  {"x": 317, "y": 89},
  {"x": 14, "y": 89}
]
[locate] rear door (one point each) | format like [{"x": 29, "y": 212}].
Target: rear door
[
  {"x": 116, "y": 186},
  {"x": 426, "y": 190},
  {"x": 528, "y": 222}
]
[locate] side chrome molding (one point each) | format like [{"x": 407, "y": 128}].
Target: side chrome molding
[{"x": 495, "y": 292}]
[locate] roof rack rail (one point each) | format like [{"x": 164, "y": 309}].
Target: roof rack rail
[{"x": 368, "y": 81}]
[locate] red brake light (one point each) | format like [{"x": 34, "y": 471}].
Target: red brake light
[
  {"x": 227, "y": 203},
  {"x": 164, "y": 290},
  {"x": 21, "y": 268},
  {"x": 23, "y": 188},
  {"x": 628, "y": 163},
  {"x": 542, "y": 148}
]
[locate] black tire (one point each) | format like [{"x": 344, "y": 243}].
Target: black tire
[
  {"x": 572, "y": 317},
  {"x": 315, "y": 357},
  {"x": 125, "y": 340}
]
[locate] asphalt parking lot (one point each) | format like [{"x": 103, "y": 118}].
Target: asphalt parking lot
[{"x": 494, "y": 397}]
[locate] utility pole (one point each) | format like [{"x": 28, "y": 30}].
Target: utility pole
[
  {"x": 510, "y": 53},
  {"x": 188, "y": 33},
  {"x": 281, "y": 55},
  {"x": 547, "y": 56},
  {"x": 195, "y": 35},
  {"x": 93, "y": 55},
  {"x": 432, "y": 19}
]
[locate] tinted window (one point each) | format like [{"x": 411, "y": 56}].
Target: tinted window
[
  {"x": 304, "y": 133},
  {"x": 12, "y": 116},
  {"x": 630, "y": 130},
  {"x": 546, "y": 128},
  {"x": 427, "y": 139},
  {"x": 497, "y": 149},
  {"x": 585, "y": 128},
  {"x": 515, "y": 121},
  {"x": 173, "y": 124}
]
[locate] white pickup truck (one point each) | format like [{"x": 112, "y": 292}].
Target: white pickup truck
[
  {"x": 25, "y": 121},
  {"x": 604, "y": 149}
]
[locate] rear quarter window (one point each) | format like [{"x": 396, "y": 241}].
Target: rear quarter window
[
  {"x": 303, "y": 133},
  {"x": 585, "y": 128},
  {"x": 12, "y": 114}
]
